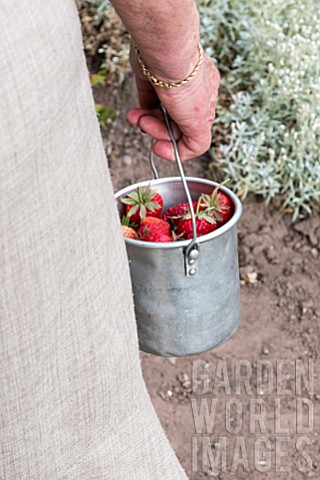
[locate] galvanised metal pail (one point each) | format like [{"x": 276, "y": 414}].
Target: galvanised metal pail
[
  {"x": 179, "y": 314},
  {"x": 186, "y": 293}
]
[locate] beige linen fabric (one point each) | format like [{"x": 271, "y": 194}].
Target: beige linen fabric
[{"x": 73, "y": 401}]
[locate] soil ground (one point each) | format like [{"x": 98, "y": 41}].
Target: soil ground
[{"x": 276, "y": 345}]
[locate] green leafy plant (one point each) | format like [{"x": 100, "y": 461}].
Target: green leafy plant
[
  {"x": 106, "y": 41},
  {"x": 100, "y": 6},
  {"x": 269, "y": 54},
  {"x": 98, "y": 78},
  {"x": 106, "y": 115}
]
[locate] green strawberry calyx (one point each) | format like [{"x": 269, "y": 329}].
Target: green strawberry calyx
[
  {"x": 200, "y": 214},
  {"x": 213, "y": 207},
  {"x": 127, "y": 222},
  {"x": 141, "y": 199},
  {"x": 213, "y": 203}
]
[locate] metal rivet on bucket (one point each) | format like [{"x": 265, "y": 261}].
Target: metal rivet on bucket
[{"x": 186, "y": 293}]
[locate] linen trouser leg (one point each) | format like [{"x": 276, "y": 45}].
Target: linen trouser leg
[{"x": 73, "y": 401}]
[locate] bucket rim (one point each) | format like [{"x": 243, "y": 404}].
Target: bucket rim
[{"x": 184, "y": 243}]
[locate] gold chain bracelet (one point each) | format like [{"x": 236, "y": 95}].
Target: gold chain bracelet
[{"x": 159, "y": 83}]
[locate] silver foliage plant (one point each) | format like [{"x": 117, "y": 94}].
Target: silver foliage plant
[
  {"x": 269, "y": 54},
  {"x": 101, "y": 5}
]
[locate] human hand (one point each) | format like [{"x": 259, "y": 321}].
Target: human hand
[{"x": 191, "y": 108}]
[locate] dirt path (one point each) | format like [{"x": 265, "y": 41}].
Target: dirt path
[{"x": 275, "y": 347}]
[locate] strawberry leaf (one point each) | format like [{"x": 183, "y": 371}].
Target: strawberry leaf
[
  {"x": 133, "y": 210},
  {"x": 140, "y": 195},
  {"x": 152, "y": 206},
  {"x": 128, "y": 201},
  {"x": 143, "y": 211},
  {"x": 210, "y": 220},
  {"x": 218, "y": 216},
  {"x": 126, "y": 222},
  {"x": 134, "y": 196}
]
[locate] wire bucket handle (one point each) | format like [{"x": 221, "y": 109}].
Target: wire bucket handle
[{"x": 191, "y": 252}]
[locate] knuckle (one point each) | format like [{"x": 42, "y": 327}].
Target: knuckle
[
  {"x": 201, "y": 145},
  {"x": 207, "y": 143}
]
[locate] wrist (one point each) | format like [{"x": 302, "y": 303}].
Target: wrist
[
  {"x": 176, "y": 65},
  {"x": 174, "y": 71}
]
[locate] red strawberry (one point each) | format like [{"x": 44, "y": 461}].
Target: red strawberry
[
  {"x": 144, "y": 202},
  {"x": 156, "y": 236},
  {"x": 204, "y": 224},
  {"x": 184, "y": 227},
  {"x": 226, "y": 212},
  {"x": 153, "y": 224},
  {"x": 218, "y": 205},
  {"x": 212, "y": 211},
  {"x": 128, "y": 228},
  {"x": 177, "y": 211},
  {"x": 146, "y": 220},
  {"x": 128, "y": 232}
]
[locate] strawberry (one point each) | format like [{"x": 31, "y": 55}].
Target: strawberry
[
  {"x": 144, "y": 202},
  {"x": 184, "y": 228},
  {"x": 148, "y": 224},
  {"x": 176, "y": 211},
  {"x": 128, "y": 228},
  {"x": 211, "y": 212},
  {"x": 218, "y": 205},
  {"x": 205, "y": 223},
  {"x": 128, "y": 232},
  {"x": 156, "y": 236},
  {"x": 146, "y": 220}
]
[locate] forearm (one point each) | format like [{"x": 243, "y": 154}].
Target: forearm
[{"x": 167, "y": 33}]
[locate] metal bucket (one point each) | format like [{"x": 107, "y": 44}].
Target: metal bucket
[{"x": 186, "y": 293}]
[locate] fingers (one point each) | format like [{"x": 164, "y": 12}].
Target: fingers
[
  {"x": 135, "y": 114},
  {"x": 152, "y": 122},
  {"x": 188, "y": 148}
]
